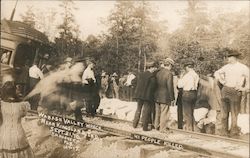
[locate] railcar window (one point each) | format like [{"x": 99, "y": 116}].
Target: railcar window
[
  {"x": 5, "y": 56},
  {"x": 24, "y": 55}
]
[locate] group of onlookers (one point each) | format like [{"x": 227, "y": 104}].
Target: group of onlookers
[
  {"x": 155, "y": 93},
  {"x": 113, "y": 86}
]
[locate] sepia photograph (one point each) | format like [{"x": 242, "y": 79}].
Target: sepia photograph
[{"x": 125, "y": 79}]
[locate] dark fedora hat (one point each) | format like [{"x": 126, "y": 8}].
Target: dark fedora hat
[
  {"x": 234, "y": 53},
  {"x": 188, "y": 63},
  {"x": 151, "y": 64}
]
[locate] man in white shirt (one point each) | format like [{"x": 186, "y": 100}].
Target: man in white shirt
[
  {"x": 189, "y": 83},
  {"x": 129, "y": 87},
  {"x": 89, "y": 86},
  {"x": 35, "y": 75},
  {"x": 130, "y": 78},
  {"x": 234, "y": 77},
  {"x": 88, "y": 74}
]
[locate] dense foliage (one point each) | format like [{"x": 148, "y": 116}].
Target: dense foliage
[{"x": 135, "y": 35}]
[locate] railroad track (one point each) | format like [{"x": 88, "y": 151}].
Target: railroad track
[
  {"x": 204, "y": 144},
  {"x": 191, "y": 134}
]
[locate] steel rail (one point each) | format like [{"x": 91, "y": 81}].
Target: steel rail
[
  {"x": 192, "y": 134},
  {"x": 192, "y": 147},
  {"x": 134, "y": 135},
  {"x": 157, "y": 140}
]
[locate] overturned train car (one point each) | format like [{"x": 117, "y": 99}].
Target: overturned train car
[{"x": 21, "y": 46}]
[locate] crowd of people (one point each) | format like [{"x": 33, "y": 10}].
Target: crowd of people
[
  {"x": 155, "y": 91},
  {"x": 113, "y": 86}
]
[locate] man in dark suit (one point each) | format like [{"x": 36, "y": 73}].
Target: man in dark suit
[
  {"x": 164, "y": 95},
  {"x": 144, "y": 94}
]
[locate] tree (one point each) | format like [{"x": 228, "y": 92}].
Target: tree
[
  {"x": 203, "y": 39},
  {"x": 132, "y": 35},
  {"x": 45, "y": 22},
  {"x": 232, "y": 30},
  {"x": 29, "y": 16},
  {"x": 196, "y": 20},
  {"x": 192, "y": 42},
  {"x": 68, "y": 43}
]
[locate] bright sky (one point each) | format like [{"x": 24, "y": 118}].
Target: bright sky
[{"x": 89, "y": 13}]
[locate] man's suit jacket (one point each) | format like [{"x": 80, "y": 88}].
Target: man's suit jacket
[
  {"x": 164, "y": 93},
  {"x": 145, "y": 87}
]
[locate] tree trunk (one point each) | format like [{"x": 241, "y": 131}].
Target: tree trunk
[
  {"x": 145, "y": 61},
  {"x": 117, "y": 50},
  {"x": 139, "y": 58}
]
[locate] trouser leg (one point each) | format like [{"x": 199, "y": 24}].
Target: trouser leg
[
  {"x": 126, "y": 89},
  {"x": 152, "y": 114},
  {"x": 180, "y": 116},
  {"x": 92, "y": 107},
  {"x": 188, "y": 115},
  {"x": 78, "y": 114},
  {"x": 222, "y": 118},
  {"x": 35, "y": 99},
  {"x": 164, "y": 117},
  {"x": 132, "y": 93},
  {"x": 88, "y": 107},
  {"x": 234, "y": 108},
  {"x": 129, "y": 93},
  {"x": 116, "y": 89},
  {"x": 188, "y": 101},
  {"x": 157, "y": 116},
  {"x": 121, "y": 90},
  {"x": 137, "y": 113},
  {"x": 146, "y": 114}
]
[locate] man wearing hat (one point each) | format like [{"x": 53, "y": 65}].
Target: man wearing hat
[
  {"x": 144, "y": 94},
  {"x": 104, "y": 84},
  {"x": 189, "y": 83},
  {"x": 90, "y": 87},
  {"x": 67, "y": 64},
  {"x": 234, "y": 77},
  {"x": 35, "y": 75},
  {"x": 114, "y": 85},
  {"x": 88, "y": 73},
  {"x": 164, "y": 95}
]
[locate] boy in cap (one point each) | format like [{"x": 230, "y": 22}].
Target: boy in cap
[
  {"x": 164, "y": 95},
  {"x": 234, "y": 77},
  {"x": 144, "y": 94},
  {"x": 189, "y": 83}
]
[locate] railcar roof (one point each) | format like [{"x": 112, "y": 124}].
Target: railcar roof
[{"x": 21, "y": 29}]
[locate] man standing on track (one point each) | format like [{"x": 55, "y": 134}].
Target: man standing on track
[
  {"x": 164, "y": 95},
  {"x": 189, "y": 82},
  {"x": 35, "y": 75},
  {"x": 91, "y": 94},
  {"x": 144, "y": 94},
  {"x": 234, "y": 77}
]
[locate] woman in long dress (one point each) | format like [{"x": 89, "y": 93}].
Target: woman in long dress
[{"x": 13, "y": 142}]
